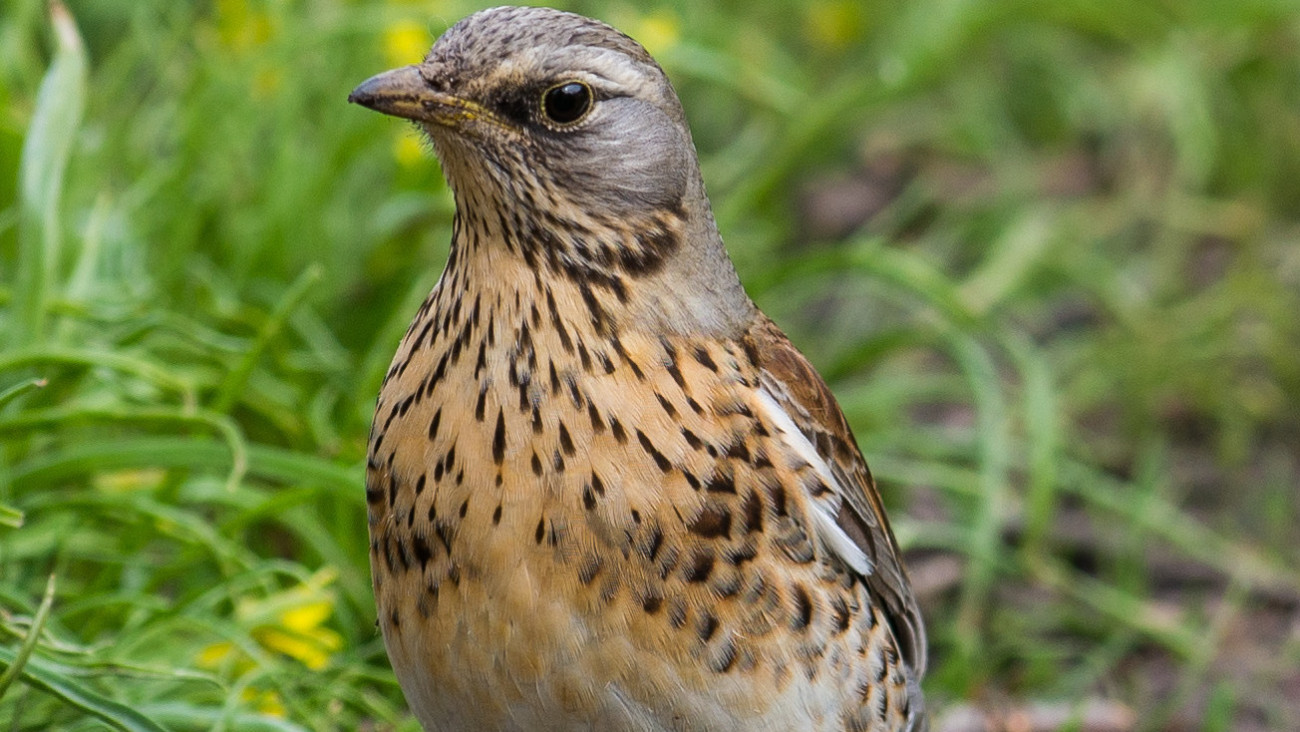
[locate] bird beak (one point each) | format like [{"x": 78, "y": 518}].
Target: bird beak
[{"x": 404, "y": 93}]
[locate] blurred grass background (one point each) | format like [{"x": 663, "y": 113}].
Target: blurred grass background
[{"x": 1046, "y": 253}]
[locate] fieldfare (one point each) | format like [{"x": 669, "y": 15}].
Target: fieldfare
[{"x": 605, "y": 492}]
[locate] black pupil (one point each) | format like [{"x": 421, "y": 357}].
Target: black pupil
[{"x": 567, "y": 102}]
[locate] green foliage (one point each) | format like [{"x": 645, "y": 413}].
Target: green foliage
[{"x": 1045, "y": 253}]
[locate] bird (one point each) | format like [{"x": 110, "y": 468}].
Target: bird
[{"x": 604, "y": 490}]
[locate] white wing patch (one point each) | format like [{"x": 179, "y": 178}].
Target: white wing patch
[{"x": 828, "y": 532}]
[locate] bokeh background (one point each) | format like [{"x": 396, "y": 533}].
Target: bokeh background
[{"x": 1047, "y": 255}]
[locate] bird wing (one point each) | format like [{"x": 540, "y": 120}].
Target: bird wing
[{"x": 848, "y": 517}]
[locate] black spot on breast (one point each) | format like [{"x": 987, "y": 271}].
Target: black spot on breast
[
  {"x": 700, "y": 566},
  {"x": 725, "y": 658},
  {"x": 702, "y": 356},
  {"x": 720, "y": 483},
  {"x": 480, "y": 363},
  {"x": 566, "y": 442},
  {"x": 738, "y": 450},
  {"x": 712, "y": 522},
  {"x": 652, "y": 603},
  {"x": 803, "y": 609},
  {"x": 753, "y": 508},
  {"x": 555, "y": 378},
  {"x": 738, "y": 555},
  {"x": 649, "y": 447},
  {"x": 667, "y": 406},
  {"x": 434, "y": 423},
  {"x": 420, "y": 545},
  {"x": 443, "y": 532},
  {"x": 651, "y": 543},
  {"x": 623, "y": 354},
  {"x": 692, "y": 439},
  {"x": 776, "y": 492},
  {"x": 499, "y": 439},
  {"x": 726, "y": 584},
  {"x": 706, "y": 626},
  {"x": 840, "y": 612}
]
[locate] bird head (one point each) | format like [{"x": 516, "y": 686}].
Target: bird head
[
  {"x": 535, "y": 100},
  {"x": 563, "y": 141}
]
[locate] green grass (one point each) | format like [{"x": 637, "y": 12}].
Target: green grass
[{"x": 1066, "y": 334}]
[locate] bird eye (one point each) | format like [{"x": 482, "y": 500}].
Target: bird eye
[{"x": 566, "y": 103}]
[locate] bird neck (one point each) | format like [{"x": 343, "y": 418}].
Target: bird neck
[{"x": 665, "y": 271}]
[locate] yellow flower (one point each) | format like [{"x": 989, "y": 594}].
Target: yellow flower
[
  {"x": 126, "y": 481},
  {"x": 266, "y": 701},
  {"x": 405, "y": 42},
  {"x": 241, "y": 27},
  {"x": 290, "y": 622},
  {"x": 266, "y": 82},
  {"x": 658, "y": 32},
  {"x": 214, "y": 655},
  {"x": 834, "y": 24},
  {"x": 407, "y": 148},
  {"x": 312, "y": 649}
]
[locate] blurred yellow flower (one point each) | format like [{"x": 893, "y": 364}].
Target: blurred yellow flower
[
  {"x": 240, "y": 26},
  {"x": 126, "y": 481},
  {"x": 215, "y": 654},
  {"x": 658, "y": 32},
  {"x": 834, "y": 24},
  {"x": 290, "y": 622},
  {"x": 405, "y": 42},
  {"x": 266, "y": 82},
  {"x": 408, "y": 149},
  {"x": 266, "y": 701},
  {"x": 312, "y": 648}
]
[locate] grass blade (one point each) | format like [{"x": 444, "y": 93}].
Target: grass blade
[{"x": 45, "y": 153}]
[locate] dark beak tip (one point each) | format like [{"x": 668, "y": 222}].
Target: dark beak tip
[
  {"x": 364, "y": 94},
  {"x": 380, "y": 91}
]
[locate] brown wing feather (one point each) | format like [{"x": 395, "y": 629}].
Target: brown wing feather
[{"x": 861, "y": 515}]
